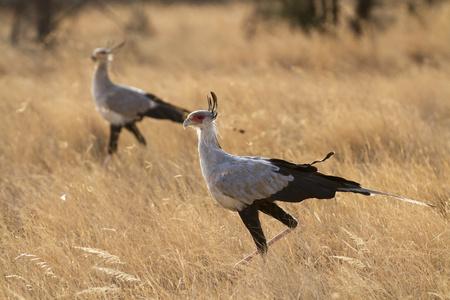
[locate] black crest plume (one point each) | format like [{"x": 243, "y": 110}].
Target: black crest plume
[
  {"x": 115, "y": 48},
  {"x": 212, "y": 105}
]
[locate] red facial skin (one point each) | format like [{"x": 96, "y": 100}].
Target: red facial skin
[{"x": 197, "y": 118}]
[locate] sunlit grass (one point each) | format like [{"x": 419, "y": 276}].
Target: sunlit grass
[{"x": 147, "y": 227}]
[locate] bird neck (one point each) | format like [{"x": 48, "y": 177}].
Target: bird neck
[
  {"x": 210, "y": 152},
  {"x": 101, "y": 74},
  {"x": 207, "y": 137}
]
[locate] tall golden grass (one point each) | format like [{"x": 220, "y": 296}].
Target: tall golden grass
[{"x": 147, "y": 227}]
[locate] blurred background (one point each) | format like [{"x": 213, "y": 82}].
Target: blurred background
[
  {"x": 38, "y": 20},
  {"x": 368, "y": 79}
]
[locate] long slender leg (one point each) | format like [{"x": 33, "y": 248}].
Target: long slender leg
[
  {"x": 113, "y": 138},
  {"x": 134, "y": 130},
  {"x": 256, "y": 252},
  {"x": 112, "y": 146},
  {"x": 250, "y": 217},
  {"x": 273, "y": 210}
]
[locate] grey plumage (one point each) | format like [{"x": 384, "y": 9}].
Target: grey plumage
[
  {"x": 123, "y": 106},
  {"x": 252, "y": 184}
]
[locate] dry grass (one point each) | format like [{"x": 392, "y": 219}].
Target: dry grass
[{"x": 147, "y": 228}]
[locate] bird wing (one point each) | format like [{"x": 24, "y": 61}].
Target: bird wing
[
  {"x": 249, "y": 178},
  {"x": 254, "y": 178},
  {"x": 128, "y": 102},
  {"x": 164, "y": 110},
  {"x": 309, "y": 183}
]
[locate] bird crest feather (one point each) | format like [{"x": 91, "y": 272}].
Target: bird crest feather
[{"x": 212, "y": 105}]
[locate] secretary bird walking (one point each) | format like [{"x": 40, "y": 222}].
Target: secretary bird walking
[
  {"x": 123, "y": 106},
  {"x": 252, "y": 184}
]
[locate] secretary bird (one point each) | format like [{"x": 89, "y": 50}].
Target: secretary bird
[
  {"x": 252, "y": 184},
  {"x": 123, "y": 106}
]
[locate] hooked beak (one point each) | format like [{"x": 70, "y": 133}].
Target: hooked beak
[
  {"x": 94, "y": 58},
  {"x": 186, "y": 123}
]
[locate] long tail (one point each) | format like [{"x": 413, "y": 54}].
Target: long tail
[
  {"x": 164, "y": 110},
  {"x": 369, "y": 192}
]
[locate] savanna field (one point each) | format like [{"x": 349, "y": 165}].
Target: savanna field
[{"x": 146, "y": 228}]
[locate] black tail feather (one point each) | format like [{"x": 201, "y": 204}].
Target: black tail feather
[
  {"x": 369, "y": 192},
  {"x": 309, "y": 183},
  {"x": 164, "y": 110}
]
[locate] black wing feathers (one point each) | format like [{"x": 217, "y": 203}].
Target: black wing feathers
[
  {"x": 282, "y": 163},
  {"x": 164, "y": 110},
  {"x": 309, "y": 183}
]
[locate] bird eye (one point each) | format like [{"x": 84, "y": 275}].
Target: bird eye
[{"x": 200, "y": 117}]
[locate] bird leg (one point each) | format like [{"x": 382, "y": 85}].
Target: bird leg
[
  {"x": 251, "y": 220},
  {"x": 135, "y": 131},
  {"x": 272, "y": 209},
  {"x": 112, "y": 146},
  {"x": 114, "y": 138},
  {"x": 250, "y": 217},
  {"x": 271, "y": 242}
]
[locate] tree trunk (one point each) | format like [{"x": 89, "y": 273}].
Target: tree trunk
[
  {"x": 335, "y": 11},
  {"x": 44, "y": 16},
  {"x": 363, "y": 9},
  {"x": 19, "y": 11}
]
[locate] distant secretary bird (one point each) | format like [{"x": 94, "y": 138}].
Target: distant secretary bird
[
  {"x": 252, "y": 184},
  {"x": 123, "y": 106}
]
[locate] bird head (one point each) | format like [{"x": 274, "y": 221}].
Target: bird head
[
  {"x": 203, "y": 118},
  {"x": 103, "y": 55}
]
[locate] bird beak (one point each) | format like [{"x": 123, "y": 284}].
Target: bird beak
[
  {"x": 186, "y": 123},
  {"x": 94, "y": 58}
]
